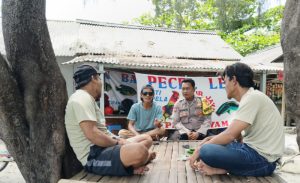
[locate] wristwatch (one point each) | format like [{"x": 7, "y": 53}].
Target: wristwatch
[
  {"x": 201, "y": 134},
  {"x": 117, "y": 143}
]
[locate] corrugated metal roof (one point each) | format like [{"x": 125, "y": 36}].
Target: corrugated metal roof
[
  {"x": 144, "y": 41},
  {"x": 63, "y": 34},
  {"x": 86, "y": 37},
  {"x": 64, "y": 37},
  {"x": 147, "y": 63},
  {"x": 266, "y": 67},
  {"x": 264, "y": 56}
]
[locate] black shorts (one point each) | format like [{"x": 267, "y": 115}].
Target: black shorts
[{"x": 106, "y": 161}]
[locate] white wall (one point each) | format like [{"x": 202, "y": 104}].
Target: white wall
[{"x": 67, "y": 71}]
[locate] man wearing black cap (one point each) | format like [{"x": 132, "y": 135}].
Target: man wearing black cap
[{"x": 93, "y": 145}]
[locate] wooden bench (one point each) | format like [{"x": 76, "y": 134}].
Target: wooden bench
[{"x": 166, "y": 168}]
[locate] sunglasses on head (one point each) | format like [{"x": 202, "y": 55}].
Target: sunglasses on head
[{"x": 148, "y": 93}]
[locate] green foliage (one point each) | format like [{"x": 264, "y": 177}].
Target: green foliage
[
  {"x": 233, "y": 19},
  {"x": 225, "y": 15},
  {"x": 181, "y": 15},
  {"x": 245, "y": 44},
  {"x": 231, "y": 14},
  {"x": 272, "y": 18},
  {"x": 264, "y": 33}
]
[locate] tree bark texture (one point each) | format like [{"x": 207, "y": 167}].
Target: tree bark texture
[
  {"x": 290, "y": 41},
  {"x": 33, "y": 93}
]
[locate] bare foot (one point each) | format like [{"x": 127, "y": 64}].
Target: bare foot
[
  {"x": 140, "y": 170},
  {"x": 207, "y": 170},
  {"x": 152, "y": 156},
  {"x": 155, "y": 138}
]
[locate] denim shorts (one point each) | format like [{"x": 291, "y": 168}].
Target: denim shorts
[
  {"x": 237, "y": 159},
  {"x": 106, "y": 161}
]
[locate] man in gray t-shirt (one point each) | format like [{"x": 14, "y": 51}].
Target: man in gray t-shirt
[
  {"x": 95, "y": 148},
  {"x": 253, "y": 142}
]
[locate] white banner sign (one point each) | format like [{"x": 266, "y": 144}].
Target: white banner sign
[{"x": 167, "y": 88}]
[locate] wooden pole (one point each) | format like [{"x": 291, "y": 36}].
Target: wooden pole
[
  {"x": 263, "y": 82},
  {"x": 283, "y": 104},
  {"x": 101, "y": 69}
]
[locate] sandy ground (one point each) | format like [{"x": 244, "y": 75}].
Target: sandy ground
[
  {"x": 288, "y": 177},
  {"x": 291, "y": 149},
  {"x": 11, "y": 173}
]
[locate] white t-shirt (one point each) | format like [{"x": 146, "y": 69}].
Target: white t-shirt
[
  {"x": 265, "y": 133},
  {"x": 81, "y": 107}
]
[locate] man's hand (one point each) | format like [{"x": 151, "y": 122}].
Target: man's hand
[
  {"x": 136, "y": 133},
  {"x": 199, "y": 113},
  {"x": 193, "y": 135},
  {"x": 240, "y": 138},
  {"x": 205, "y": 140},
  {"x": 157, "y": 123},
  {"x": 131, "y": 127},
  {"x": 123, "y": 141},
  {"x": 193, "y": 159}
]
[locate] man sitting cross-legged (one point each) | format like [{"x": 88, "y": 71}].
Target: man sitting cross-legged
[
  {"x": 253, "y": 142},
  {"x": 145, "y": 117},
  {"x": 189, "y": 119},
  {"x": 94, "y": 147}
]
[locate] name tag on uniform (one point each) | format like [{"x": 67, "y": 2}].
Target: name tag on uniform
[{"x": 183, "y": 113}]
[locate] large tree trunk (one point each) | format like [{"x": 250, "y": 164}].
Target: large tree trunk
[
  {"x": 33, "y": 94},
  {"x": 290, "y": 40}
]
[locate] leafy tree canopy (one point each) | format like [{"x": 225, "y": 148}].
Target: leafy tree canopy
[
  {"x": 236, "y": 21},
  {"x": 258, "y": 34}
]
